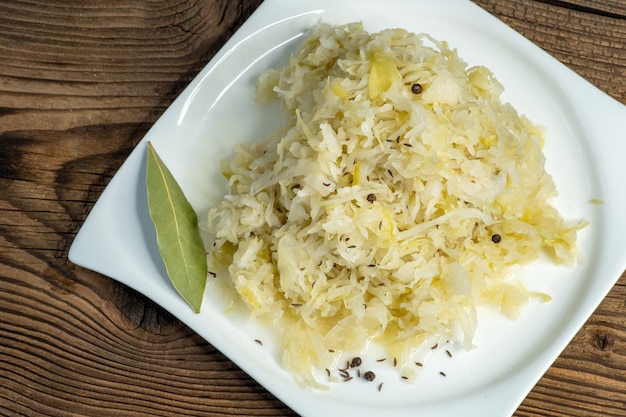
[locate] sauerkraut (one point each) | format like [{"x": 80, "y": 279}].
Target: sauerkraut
[{"x": 395, "y": 200}]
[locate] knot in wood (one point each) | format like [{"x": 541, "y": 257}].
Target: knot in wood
[{"x": 603, "y": 341}]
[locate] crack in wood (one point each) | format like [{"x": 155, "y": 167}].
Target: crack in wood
[{"x": 584, "y": 8}]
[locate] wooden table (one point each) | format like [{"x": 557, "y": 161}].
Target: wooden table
[{"x": 80, "y": 84}]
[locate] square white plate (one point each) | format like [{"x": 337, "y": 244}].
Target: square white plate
[{"x": 585, "y": 145}]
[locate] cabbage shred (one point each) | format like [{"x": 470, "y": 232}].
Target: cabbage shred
[{"x": 369, "y": 216}]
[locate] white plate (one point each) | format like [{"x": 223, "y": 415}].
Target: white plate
[{"x": 585, "y": 147}]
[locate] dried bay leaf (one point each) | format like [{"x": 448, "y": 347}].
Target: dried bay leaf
[{"x": 176, "y": 226}]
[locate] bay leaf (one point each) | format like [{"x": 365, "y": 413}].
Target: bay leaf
[{"x": 178, "y": 237}]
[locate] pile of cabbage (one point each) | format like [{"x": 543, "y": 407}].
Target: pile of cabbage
[{"x": 393, "y": 203}]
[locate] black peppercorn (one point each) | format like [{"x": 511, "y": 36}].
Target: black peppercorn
[
  {"x": 416, "y": 88},
  {"x": 369, "y": 376},
  {"x": 496, "y": 238}
]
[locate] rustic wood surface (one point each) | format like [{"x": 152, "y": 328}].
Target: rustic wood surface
[{"x": 80, "y": 84}]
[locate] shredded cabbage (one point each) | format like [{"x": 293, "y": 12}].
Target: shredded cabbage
[{"x": 373, "y": 214}]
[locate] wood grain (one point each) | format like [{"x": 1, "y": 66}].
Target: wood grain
[{"x": 80, "y": 84}]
